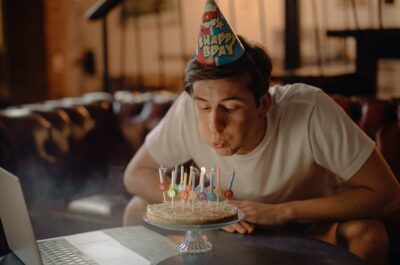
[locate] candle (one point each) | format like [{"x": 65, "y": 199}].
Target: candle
[
  {"x": 184, "y": 180},
  {"x": 180, "y": 186},
  {"x": 174, "y": 176},
  {"x": 189, "y": 185},
  {"x": 172, "y": 188},
  {"x": 211, "y": 195},
  {"x": 184, "y": 193},
  {"x": 163, "y": 187},
  {"x": 232, "y": 177},
  {"x": 160, "y": 173},
  {"x": 193, "y": 193},
  {"x": 182, "y": 172},
  {"x": 212, "y": 179},
  {"x": 194, "y": 182},
  {"x": 228, "y": 193},
  {"x": 218, "y": 190},
  {"x": 202, "y": 195},
  {"x": 202, "y": 173}
]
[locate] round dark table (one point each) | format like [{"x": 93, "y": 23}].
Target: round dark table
[{"x": 264, "y": 246}]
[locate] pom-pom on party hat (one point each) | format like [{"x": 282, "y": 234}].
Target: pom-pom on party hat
[{"x": 217, "y": 44}]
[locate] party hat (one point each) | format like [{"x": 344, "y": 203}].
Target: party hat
[{"x": 217, "y": 44}]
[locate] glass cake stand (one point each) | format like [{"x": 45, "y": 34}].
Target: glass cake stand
[{"x": 194, "y": 243}]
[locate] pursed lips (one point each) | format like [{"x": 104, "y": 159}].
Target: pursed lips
[{"x": 218, "y": 143}]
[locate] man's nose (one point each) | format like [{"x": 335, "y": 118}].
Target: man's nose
[{"x": 217, "y": 121}]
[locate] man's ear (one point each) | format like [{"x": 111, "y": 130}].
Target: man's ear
[{"x": 265, "y": 103}]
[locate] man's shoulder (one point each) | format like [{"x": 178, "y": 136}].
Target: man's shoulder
[
  {"x": 183, "y": 105},
  {"x": 184, "y": 100},
  {"x": 292, "y": 93}
]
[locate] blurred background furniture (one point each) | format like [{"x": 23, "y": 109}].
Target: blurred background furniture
[
  {"x": 70, "y": 155},
  {"x": 371, "y": 45}
]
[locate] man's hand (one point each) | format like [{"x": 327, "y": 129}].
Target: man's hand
[
  {"x": 263, "y": 213},
  {"x": 242, "y": 228}
]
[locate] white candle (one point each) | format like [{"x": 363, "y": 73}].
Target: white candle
[
  {"x": 161, "y": 174},
  {"x": 193, "y": 181},
  {"x": 202, "y": 173},
  {"x": 190, "y": 175},
  {"x": 182, "y": 173},
  {"x": 174, "y": 176},
  {"x": 184, "y": 180}
]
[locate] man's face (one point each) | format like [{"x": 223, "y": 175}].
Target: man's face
[{"x": 228, "y": 117}]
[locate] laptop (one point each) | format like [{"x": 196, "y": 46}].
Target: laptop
[{"x": 96, "y": 247}]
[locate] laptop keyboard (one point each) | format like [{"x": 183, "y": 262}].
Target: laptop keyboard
[{"x": 60, "y": 251}]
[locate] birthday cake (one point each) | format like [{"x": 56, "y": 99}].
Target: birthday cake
[
  {"x": 191, "y": 205},
  {"x": 165, "y": 213}
]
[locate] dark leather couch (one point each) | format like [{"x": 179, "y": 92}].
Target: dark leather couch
[{"x": 70, "y": 155}]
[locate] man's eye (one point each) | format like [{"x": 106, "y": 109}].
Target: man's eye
[
  {"x": 231, "y": 108},
  {"x": 204, "y": 108}
]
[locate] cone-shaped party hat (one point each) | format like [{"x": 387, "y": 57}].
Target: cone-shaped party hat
[{"x": 217, "y": 44}]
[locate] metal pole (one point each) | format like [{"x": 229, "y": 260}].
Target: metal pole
[
  {"x": 106, "y": 81},
  {"x": 292, "y": 34},
  {"x": 122, "y": 55}
]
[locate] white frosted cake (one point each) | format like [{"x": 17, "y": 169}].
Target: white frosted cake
[{"x": 184, "y": 214}]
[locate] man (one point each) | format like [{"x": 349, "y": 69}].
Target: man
[{"x": 298, "y": 157}]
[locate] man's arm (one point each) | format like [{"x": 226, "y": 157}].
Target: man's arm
[
  {"x": 374, "y": 192},
  {"x": 141, "y": 176}
]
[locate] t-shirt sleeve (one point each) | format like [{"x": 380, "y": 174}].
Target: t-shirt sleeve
[
  {"x": 337, "y": 143},
  {"x": 166, "y": 142}
]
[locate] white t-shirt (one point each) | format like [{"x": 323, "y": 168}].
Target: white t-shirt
[{"x": 309, "y": 148}]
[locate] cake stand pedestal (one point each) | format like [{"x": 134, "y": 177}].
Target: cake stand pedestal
[{"x": 194, "y": 243}]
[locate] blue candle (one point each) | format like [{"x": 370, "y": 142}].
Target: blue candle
[{"x": 211, "y": 195}]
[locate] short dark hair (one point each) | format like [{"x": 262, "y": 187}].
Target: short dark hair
[{"x": 253, "y": 68}]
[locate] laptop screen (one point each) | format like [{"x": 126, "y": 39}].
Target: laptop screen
[
  {"x": 15, "y": 219},
  {"x": 4, "y": 249}
]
